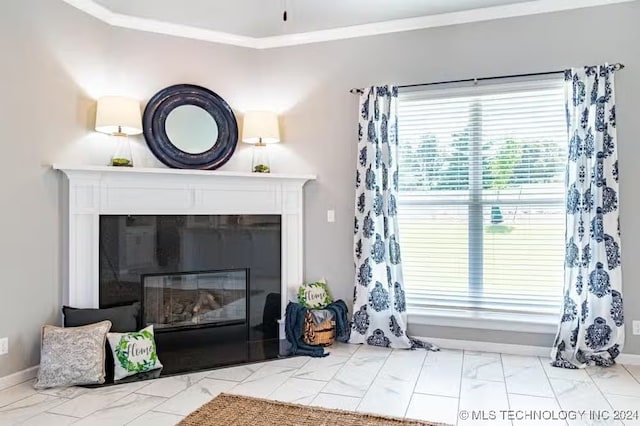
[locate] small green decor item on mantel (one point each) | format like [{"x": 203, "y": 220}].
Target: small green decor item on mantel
[
  {"x": 121, "y": 162},
  {"x": 314, "y": 295},
  {"x": 261, "y": 168}
]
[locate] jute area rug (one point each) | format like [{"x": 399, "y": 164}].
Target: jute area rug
[{"x": 238, "y": 410}]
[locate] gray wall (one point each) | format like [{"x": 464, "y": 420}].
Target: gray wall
[
  {"x": 50, "y": 54},
  {"x": 321, "y": 119},
  {"x": 57, "y": 60}
]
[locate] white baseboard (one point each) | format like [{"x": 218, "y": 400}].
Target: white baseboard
[
  {"x": 475, "y": 345},
  {"x": 19, "y": 377},
  {"x": 511, "y": 349},
  {"x": 631, "y": 359}
]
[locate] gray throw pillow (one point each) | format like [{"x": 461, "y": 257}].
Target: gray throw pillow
[
  {"x": 123, "y": 318},
  {"x": 72, "y": 356}
]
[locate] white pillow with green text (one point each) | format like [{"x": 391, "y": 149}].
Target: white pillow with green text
[
  {"x": 133, "y": 353},
  {"x": 314, "y": 295}
]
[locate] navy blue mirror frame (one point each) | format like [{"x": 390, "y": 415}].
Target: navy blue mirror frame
[{"x": 166, "y": 100}]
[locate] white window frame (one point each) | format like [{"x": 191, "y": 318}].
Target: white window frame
[{"x": 476, "y": 319}]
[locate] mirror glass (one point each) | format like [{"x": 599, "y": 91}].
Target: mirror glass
[{"x": 191, "y": 129}]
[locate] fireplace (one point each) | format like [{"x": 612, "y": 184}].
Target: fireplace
[
  {"x": 209, "y": 284},
  {"x": 161, "y": 222}
]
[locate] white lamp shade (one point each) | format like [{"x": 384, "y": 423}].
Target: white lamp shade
[
  {"x": 116, "y": 114},
  {"x": 260, "y": 126}
]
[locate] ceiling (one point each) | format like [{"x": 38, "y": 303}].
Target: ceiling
[
  {"x": 263, "y": 18},
  {"x": 258, "y": 23}
]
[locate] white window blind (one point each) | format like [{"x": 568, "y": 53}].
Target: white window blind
[{"x": 482, "y": 206}]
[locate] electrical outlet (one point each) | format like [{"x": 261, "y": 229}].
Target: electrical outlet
[
  {"x": 636, "y": 328},
  {"x": 4, "y": 346}
]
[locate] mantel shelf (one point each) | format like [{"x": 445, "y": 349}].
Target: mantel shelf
[{"x": 67, "y": 169}]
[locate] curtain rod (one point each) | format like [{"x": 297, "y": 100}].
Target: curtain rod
[{"x": 616, "y": 67}]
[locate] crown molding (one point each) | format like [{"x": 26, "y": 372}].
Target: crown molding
[
  {"x": 167, "y": 28},
  {"x": 534, "y": 7}
]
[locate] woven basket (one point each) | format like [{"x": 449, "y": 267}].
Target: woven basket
[{"x": 323, "y": 334}]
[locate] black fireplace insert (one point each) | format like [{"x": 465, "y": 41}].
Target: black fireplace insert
[{"x": 209, "y": 284}]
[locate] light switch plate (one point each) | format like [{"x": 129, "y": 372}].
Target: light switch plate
[
  {"x": 636, "y": 328},
  {"x": 4, "y": 346},
  {"x": 331, "y": 216}
]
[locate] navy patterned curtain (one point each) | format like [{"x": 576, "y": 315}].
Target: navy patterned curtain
[
  {"x": 591, "y": 330},
  {"x": 379, "y": 317}
]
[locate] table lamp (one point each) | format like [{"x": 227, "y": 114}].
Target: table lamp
[
  {"x": 260, "y": 128},
  {"x": 119, "y": 117}
]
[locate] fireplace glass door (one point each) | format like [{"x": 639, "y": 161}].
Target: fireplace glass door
[{"x": 195, "y": 299}]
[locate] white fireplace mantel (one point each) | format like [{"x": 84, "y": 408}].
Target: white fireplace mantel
[{"x": 92, "y": 191}]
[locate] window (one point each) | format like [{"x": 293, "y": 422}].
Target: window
[{"x": 481, "y": 207}]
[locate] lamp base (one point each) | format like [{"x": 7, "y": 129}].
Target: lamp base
[
  {"x": 123, "y": 156},
  {"x": 260, "y": 162}
]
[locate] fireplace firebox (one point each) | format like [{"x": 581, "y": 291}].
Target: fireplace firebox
[{"x": 195, "y": 299}]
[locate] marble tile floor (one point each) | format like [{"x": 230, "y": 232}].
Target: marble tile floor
[{"x": 434, "y": 386}]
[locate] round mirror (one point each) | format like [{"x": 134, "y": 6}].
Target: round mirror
[{"x": 191, "y": 129}]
